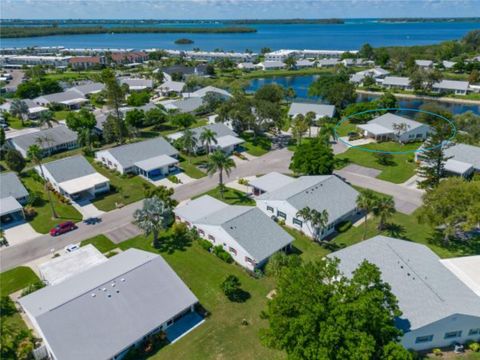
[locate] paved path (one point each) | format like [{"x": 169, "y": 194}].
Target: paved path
[
  {"x": 407, "y": 200},
  {"x": 118, "y": 222}
]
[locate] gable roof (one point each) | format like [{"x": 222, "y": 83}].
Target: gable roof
[
  {"x": 69, "y": 168},
  {"x": 128, "y": 155},
  {"x": 219, "y": 129},
  {"x": 469, "y": 154},
  {"x": 11, "y": 186},
  {"x": 304, "y": 108},
  {"x": 388, "y": 121},
  {"x": 185, "y": 105},
  {"x": 176, "y": 86},
  {"x": 205, "y": 90},
  {"x": 426, "y": 290},
  {"x": 87, "y": 89},
  {"x": 424, "y": 62},
  {"x": 271, "y": 181},
  {"x": 131, "y": 294},
  {"x": 137, "y": 82},
  {"x": 317, "y": 192},
  {"x": 452, "y": 85},
  {"x": 396, "y": 80},
  {"x": 61, "y": 97},
  {"x": 56, "y": 136},
  {"x": 198, "y": 208}
]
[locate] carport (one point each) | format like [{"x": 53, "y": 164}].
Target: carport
[
  {"x": 156, "y": 167},
  {"x": 10, "y": 210},
  {"x": 85, "y": 186}
]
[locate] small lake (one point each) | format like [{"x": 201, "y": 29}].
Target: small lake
[{"x": 301, "y": 83}]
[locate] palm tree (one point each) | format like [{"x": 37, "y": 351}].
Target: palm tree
[
  {"x": 46, "y": 118},
  {"x": 219, "y": 161},
  {"x": 365, "y": 202},
  {"x": 318, "y": 220},
  {"x": 19, "y": 108},
  {"x": 35, "y": 155},
  {"x": 310, "y": 119},
  {"x": 189, "y": 142},
  {"x": 384, "y": 208},
  {"x": 299, "y": 128},
  {"x": 207, "y": 138},
  {"x": 86, "y": 137},
  {"x": 328, "y": 130},
  {"x": 153, "y": 217}
]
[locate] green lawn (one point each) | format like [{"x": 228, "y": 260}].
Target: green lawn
[
  {"x": 256, "y": 146},
  {"x": 101, "y": 242},
  {"x": 189, "y": 164},
  {"x": 230, "y": 196},
  {"x": 16, "y": 279},
  {"x": 309, "y": 249},
  {"x": 71, "y": 75},
  {"x": 124, "y": 189},
  {"x": 43, "y": 221},
  {"x": 345, "y": 128},
  {"x": 401, "y": 169},
  {"x": 60, "y": 115}
]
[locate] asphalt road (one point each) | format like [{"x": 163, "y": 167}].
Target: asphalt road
[{"x": 120, "y": 219}]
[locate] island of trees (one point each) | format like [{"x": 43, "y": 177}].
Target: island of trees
[{"x": 183, "y": 41}]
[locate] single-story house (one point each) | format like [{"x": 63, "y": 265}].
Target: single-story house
[
  {"x": 71, "y": 99},
  {"x": 283, "y": 197},
  {"x": 171, "y": 87},
  {"x": 451, "y": 87},
  {"x": 184, "y": 105},
  {"x": 136, "y": 84},
  {"x": 106, "y": 310},
  {"x": 150, "y": 158},
  {"x": 393, "y": 127},
  {"x": 375, "y": 73},
  {"x": 462, "y": 159},
  {"x": 327, "y": 62},
  {"x": 34, "y": 110},
  {"x": 208, "y": 89},
  {"x": 184, "y": 71},
  {"x": 396, "y": 82},
  {"x": 424, "y": 63},
  {"x": 88, "y": 88},
  {"x": 448, "y": 64},
  {"x": 13, "y": 196},
  {"x": 52, "y": 140},
  {"x": 250, "y": 236},
  {"x": 320, "y": 110},
  {"x": 227, "y": 139},
  {"x": 247, "y": 66},
  {"x": 304, "y": 63},
  {"x": 438, "y": 308},
  {"x": 271, "y": 65},
  {"x": 74, "y": 177}
]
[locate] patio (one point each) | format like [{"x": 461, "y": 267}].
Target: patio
[{"x": 183, "y": 326}]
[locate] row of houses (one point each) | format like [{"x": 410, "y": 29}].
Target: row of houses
[
  {"x": 283, "y": 54},
  {"x": 302, "y": 64}
]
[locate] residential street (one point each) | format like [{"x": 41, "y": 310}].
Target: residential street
[{"x": 116, "y": 220}]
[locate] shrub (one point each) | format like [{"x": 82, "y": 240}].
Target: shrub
[
  {"x": 281, "y": 222},
  {"x": 230, "y": 286},
  {"x": 29, "y": 211},
  {"x": 474, "y": 346},
  {"x": 243, "y": 181},
  {"x": 437, "y": 352},
  {"x": 343, "y": 226},
  {"x": 222, "y": 254},
  {"x": 174, "y": 179},
  {"x": 32, "y": 288},
  {"x": 207, "y": 245}
]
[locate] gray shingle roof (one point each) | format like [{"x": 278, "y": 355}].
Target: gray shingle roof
[
  {"x": 78, "y": 325},
  {"x": 187, "y": 105},
  {"x": 271, "y": 181},
  {"x": 319, "y": 193},
  {"x": 388, "y": 120},
  {"x": 10, "y": 185},
  {"x": 320, "y": 110},
  {"x": 128, "y": 155},
  {"x": 396, "y": 80},
  {"x": 199, "y": 208},
  {"x": 59, "y": 97},
  {"x": 451, "y": 85},
  {"x": 426, "y": 290},
  {"x": 69, "y": 168},
  {"x": 465, "y": 153},
  {"x": 134, "y": 82},
  {"x": 87, "y": 89},
  {"x": 56, "y": 136}
]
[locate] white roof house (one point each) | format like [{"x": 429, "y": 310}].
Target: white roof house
[
  {"x": 438, "y": 308},
  {"x": 75, "y": 177},
  {"x": 270, "y": 65},
  {"x": 137, "y": 83},
  {"x": 376, "y": 73},
  {"x": 247, "y": 66},
  {"x": 183, "y": 105},
  {"x": 12, "y": 194},
  {"x": 424, "y": 63},
  {"x": 396, "y": 82},
  {"x": 150, "y": 158},
  {"x": 71, "y": 99},
  {"x": 448, "y": 64},
  {"x": 283, "y": 198},
  {"x": 88, "y": 89},
  {"x": 250, "y": 236},
  {"x": 467, "y": 269},
  {"x": 451, "y": 86},
  {"x": 123, "y": 299},
  {"x": 171, "y": 87},
  {"x": 320, "y": 110},
  {"x": 208, "y": 89},
  {"x": 387, "y": 126}
]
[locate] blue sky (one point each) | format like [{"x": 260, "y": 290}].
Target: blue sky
[{"x": 235, "y": 9}]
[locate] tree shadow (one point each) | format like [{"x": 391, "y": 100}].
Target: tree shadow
[
  {"x": 396, "y": 231},
  {"x": 465, "y": 246},
  {"x": 169, "y": 243},
  {"x": 239, "y": 296},
  {"x": 295, "y": 251},
  {"x": 237, "y": 198},
  {"x": 148, "y": 134}
]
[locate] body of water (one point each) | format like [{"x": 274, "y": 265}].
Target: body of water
[
  {"x": 348, "y": 36},
  {"x": 301, "y": 84}
]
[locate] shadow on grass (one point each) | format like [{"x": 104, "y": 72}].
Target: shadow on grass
[
  {"x": 295, "y": 251},
  {"x": 169, "y": 243},
  {"x": 239, "y": 296},
  {"x": 467, "y": 246},
  {"x": 396, "y": 231}
]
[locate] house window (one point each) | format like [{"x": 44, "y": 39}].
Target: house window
[
  {"x": 423, "y": 339},
  {"x": 453, "y": 334},
  {"x": 282, "y": 215},
  {"x": 269, "y": 208},
  {"x": 248, "y": 260},
  {"x": 201, "y": 232},
  {"x": 211, "y": 238},
  {"x": 297, "y": 222},
  {"x": 232, "y": 250},
  {"x": 474, "y": 332}
]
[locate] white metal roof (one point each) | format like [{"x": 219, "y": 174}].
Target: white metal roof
[
  {"x": 156, "y": 162},
  {"x": 457, "y": 167},
  {"x": 271, "y": 181},
  {"x": 375, "y": 129},
  {"x": 83, "y": 183},
  {"x": 9, "y": 205},
  {"x": 467, "y": 269},
  {"x": 228, "y": 140}
]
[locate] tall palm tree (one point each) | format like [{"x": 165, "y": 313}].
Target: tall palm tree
[
  {"x": 19, "y": 108},
  {"x": 207, "y": 138},
  {"x": 384, "y": 208},
  {"x": 328, "y": 130},
  {"x": 317, "y": 219},
  {"x": 153, "y": 217},
  {"x": 299, "y": 128},
  {"x": 46, "y": 118},
  {"x": 86, "y": 137},
  {"x": 35, "y": 155},
  {"x": 366, "y": 201},
  {"x": 219, "y": 161},
  {"x": 189, "y": 141},
  {"x": 310, "y": 119}
]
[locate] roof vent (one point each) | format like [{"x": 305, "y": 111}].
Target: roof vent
[
  {"x": 122, "y": 279},
  {"x": 93, "y": 295},
  {"x": 118, "y": 291},
  {"x": 104, "y": 289},
  {"x": 113, "y": 284},
  {"x": 109, "y": 295}
]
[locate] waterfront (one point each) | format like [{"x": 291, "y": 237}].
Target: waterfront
[
  {"x": 350, "y": 35},
  {"x": 301, "y": 83}
]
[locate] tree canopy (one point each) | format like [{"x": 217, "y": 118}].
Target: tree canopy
[{"x": 313, "y": 158}]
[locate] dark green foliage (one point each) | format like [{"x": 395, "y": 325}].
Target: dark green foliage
[
  {"x": 231, "y": 288},
  {"x": 207, "y": 245},
  {"x": 15, "y": 161},
  {"x": 163, "y": 193},
  {"x": 154, "y": 116},
  {"x": 313, "y": 158},
  {"x": 183, "y": 120},
  {"x": 272, "y": 93},
  {"x": 138, "y": 98},
  {"x": 336, "y": 89},
  {"x": 343, "y": 226},
  {"x": 222, "y": 254},
  {"x": 135, "y": 118},
  {"x": 184, "y": 41},
  {"x": 469, "y": 126},
  {"x": 31, "y": 89},
  {"x": 32, "y": 288},
  {"x": 384, "y": 158},
  {"x": 279, "y": 261}
]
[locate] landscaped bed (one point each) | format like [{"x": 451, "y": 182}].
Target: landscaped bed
[{"x": 401, "y": 168}]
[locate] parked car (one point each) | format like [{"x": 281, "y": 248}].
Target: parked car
[
  {"x": 72, "y": 247},
  {"x": 63, "y": 228},
  {"x": 92, "y": 220}
]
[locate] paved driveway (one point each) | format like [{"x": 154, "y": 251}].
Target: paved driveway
[
  {"x": 362, "y": 170},
  {"x": 20, "y": 234}
]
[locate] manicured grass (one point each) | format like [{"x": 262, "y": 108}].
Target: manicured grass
[
  {"x": 15, "y": 123},
  {"x": 16, "y": 279},
  {"x": 230, "y": 196},
  {"x": 60, "y": 115},
  {"x": 124, "y": 189},
  {"x": 345, "y": 128},
  {"x": 309, "y": 249},
  {"x": 401, "y": 168},
  {"x": 286, "y": 72},
  {"x": 71, "y": 75},
  {"x": 189, "y": 164},
  {"x": 222, "y": 336},
  {"x": 256, "y": 146},
  {"x": 43, "y": 221},
  {"x": 101, "y": 242}
]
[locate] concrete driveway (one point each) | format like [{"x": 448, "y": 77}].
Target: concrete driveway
[
  {"x": 20, "y": 234},
  {"x": 362, "y": 170}
]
